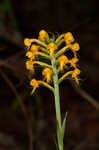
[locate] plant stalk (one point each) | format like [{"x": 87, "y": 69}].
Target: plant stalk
[{"x": 57, "y": 103}]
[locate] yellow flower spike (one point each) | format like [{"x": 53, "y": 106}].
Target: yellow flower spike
[
  {"x": 30, "y": 55},
  {"x": 34, "y": 48},
  {"x": 27, "y": 42},
  {"x": 73, "y": 61},
  {"x": 29, "y": 66},
  {"x": 68, "y": 37},
  {"x": 34, "y": 83},
  {"x": 56, "y": 62},
  {"x": 62, "y": 61},
  {"x": 75, "y": 47},
  {"x": 47, "y": 73},
  {"x": 75, "y": 74},
  {"x": 43, "y": 35},
  {"x": 51, "y": 47}
]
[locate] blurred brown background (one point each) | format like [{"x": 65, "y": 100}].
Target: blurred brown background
[{"x": 28, "y": 122}]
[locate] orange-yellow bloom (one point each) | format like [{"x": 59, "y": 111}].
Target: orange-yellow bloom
[
  {"x": 27, "y": 42},
  {"x": 75, "y": 47},
  {"x": 51, "y": 47},
  {"x": 75, "y": 74},
  {"x": 30, "y": 55},
  {"x": 34, "y": 48},
  {"x": 34, "y": 83},
  {"x": 43, "y": 35},
  {"x": 73, "y": 61},
  {"x": 62, "y": 61},
  {"x": 29, "y": 65},
  {"x": 68, "y": 37},
  {"x": 47, "y": 73}
]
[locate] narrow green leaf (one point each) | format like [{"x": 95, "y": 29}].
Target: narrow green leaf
[
  {"x": 55, "y": 141},
  {"x": 64, "y": 125}
]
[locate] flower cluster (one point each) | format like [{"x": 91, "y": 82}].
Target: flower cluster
[{"x": 49, "y": 48}]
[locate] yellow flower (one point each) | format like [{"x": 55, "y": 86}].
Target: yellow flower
[
  {"x": 27, "y": 42},
  {"x": 47, "y": 73},
  {"x": 30, "y": 55},
  {"x": 51, "y": 47},
  {"x": 62, "y": 61},
  {"x": 75, "y": 74},
  {"x": 29, "y": 65},
  {"x": 34, "y": 83},
  {"x": 73, "y": 61},
  {"x": 75, "y": 47},
  {"x": 34, "y": 48},
  {"x": 68, "y": 37},
  {"x": 43, "y": 35}
]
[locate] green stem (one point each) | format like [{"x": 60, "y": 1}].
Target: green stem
[
  {"x": 44, "y": 55},
  {"x": 39, "y": 42},
  {"x": 62, "y": 51},
  {"x": 59, "y": 38},
  {"x": 57, "y": 103},
  {"x": 42, "y": 64},
  {"x": 46, "y": 85},
  {"x": 64, "y": 76}
]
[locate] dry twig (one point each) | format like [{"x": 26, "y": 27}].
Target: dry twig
[{"x": 86, "y": 96}]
